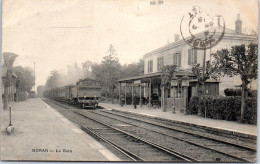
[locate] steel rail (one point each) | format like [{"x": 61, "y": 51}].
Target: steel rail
[
  {"x": 239, "y": 158},
  {"x": 125, "y": 152},
  {"x": 174, "y": 153},
  {"x": 167, "y": 127},
  {"x": 198, "y": 135}
]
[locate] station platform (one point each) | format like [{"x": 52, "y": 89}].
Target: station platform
[
  {"x": 42, "y": 134},
  {"x": 217, "y": 125}
]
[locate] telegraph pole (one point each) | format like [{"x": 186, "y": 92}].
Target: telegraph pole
[
  {"x": 203, "y": 71},
  {"x": 203, "y": 66}
]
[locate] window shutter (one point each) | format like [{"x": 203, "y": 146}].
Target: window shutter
[
  {"x": 151, "y": 66},
  {"x": 195, "y": 56},
  {"x": 158, "y": 64},
  {"x": 174, "y": 59},
  {"x": 161, "y": 63},
  {"x": 189, "y": 57},
  {"x": 179, "y": 60},
  {"x": 148, "y": 67}
]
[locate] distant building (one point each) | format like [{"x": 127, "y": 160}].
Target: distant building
[{"x": 182, "y": 55}]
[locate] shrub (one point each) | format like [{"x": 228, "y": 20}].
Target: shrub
[
  {"x": 22, "y": 96},
  {"x": 224, "y": 108},
  {"x": 238, "y": 92},
  {"x": 232, "y": 92},
  {"x": 251, "y": 110},
  {"x": 192, "y": 107},
  {"x": 252, "y": 93}
]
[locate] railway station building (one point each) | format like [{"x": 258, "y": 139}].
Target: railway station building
[{"x": 184, "y": 83}]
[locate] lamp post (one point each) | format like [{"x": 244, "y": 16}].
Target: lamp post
[
  {"x": 10, "y": 128},
  {"x": 10, "y": 114},
  {"x": 174, "y": 96}
]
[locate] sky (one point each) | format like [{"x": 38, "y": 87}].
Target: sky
[{"x": 57, "y": 33}]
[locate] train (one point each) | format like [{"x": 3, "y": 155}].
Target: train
[{"x": 85, "y": 93}]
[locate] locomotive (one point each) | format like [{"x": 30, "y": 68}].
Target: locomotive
[{"x": 86, "y": 93}]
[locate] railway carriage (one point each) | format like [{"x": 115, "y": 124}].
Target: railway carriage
[{"x": 64, "y": 93}]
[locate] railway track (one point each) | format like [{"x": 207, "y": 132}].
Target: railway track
[
  {"x": 220, "y": 134},
  {"x": 132, "y": 146},
  {"x": 142, "y": 149},
  {"x": 219, "y": 150},
  {"x": 191, "y": 146},
  {"x": 240, "y": 142}
]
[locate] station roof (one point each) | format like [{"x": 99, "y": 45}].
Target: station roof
[
  {"x": 208, "y": 81},
  {"x": 155, "y": 75}
]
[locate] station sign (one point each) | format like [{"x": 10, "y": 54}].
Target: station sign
[
  {"x": 137, "y": 82},
  {"x": 123, "y": 84},
  {"x": 174, "y": 83},
  {"x": 185, "y": 83}
]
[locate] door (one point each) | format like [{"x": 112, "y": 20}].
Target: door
[{"x": 178, "y": 98}]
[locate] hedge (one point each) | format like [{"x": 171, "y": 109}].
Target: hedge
[
  {"x": 238, "y": 92},
  {"x": 224, "y": 108},
  {"x": 232, "y": 92}
]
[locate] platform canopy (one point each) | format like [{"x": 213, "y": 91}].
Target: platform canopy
[{"x": 147, "y": 77}]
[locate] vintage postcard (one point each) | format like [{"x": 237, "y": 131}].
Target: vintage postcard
[{"x": 129, "y": 81}]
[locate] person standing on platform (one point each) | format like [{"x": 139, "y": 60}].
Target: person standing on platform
[
  {"x": 135, "y": 101},
  {"x": 122, "y": 100}
]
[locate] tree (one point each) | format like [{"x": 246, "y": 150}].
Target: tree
[
  {"x": 24, "y": 82},
  {"x": 134, "y": 69},
  {"x": 74, "y": 73},
  {"x": 8, "y": 60},
  {"x": 108, "y": 72},
  {"x": 86, "y": 68},
  {"x": 202, "y": 78},
  {"x": 71, "y": 77},
  {"x": 242, "y": 61},
  {"x": 168, "y": 74},
  {"x": 53, "y": 80},
  {"x": 25, "y": 78}
]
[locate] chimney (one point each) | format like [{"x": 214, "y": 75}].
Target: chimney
[
  {"x": 176, "y": 37},
  {"x": 238, "y": 23}
]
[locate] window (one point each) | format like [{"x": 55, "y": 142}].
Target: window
[
  {"x": 159, "y": 64},
  {"x": 192, "y": 56},
  {"x": 177, "y": 59},
  {"x": 150, "y": 66}
]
